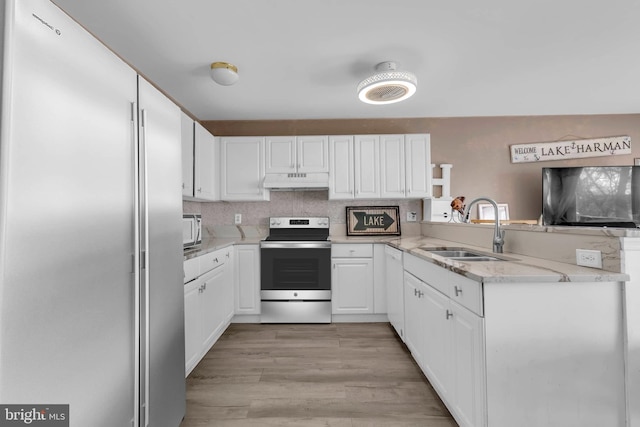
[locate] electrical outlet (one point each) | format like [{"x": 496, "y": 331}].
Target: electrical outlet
[
  {"x": 589, "y": 258},
  {"x": 411, "y": 216},
  {"x": 238, "y": 219}
]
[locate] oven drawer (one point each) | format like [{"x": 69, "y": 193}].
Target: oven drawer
[
  {"x": 295, "y": 312},
  {"x": 359, "y": 250}
]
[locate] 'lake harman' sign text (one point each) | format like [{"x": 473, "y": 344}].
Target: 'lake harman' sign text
[
  {"x": 576, "y": 149},
  {"x": 373, "y": 220}
]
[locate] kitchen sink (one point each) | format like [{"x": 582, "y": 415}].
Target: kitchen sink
[{"x": 461, "y": 254}]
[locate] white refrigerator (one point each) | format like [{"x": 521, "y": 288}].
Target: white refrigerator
[{"x": 91, "y": 289}]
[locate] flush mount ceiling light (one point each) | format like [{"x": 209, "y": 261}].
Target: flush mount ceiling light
[
  {"x": 224, "y": 74},
  {"x": 387, "y": 85}
]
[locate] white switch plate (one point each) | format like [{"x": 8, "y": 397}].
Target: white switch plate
[
  {"x": 238, "y": 219},
  {"x": 589, "y": 258},
  {"x": 411, "y": 217}
]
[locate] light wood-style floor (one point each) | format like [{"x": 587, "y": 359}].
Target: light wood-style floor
[{"x": 342, "y": 374}]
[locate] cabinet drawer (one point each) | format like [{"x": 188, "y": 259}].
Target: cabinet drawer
[
  {"x": 212, "y": 260},
  {"x": 434, "y": 276},
  {"x": 191, "y": 269},
  {"x": 364, "y": 250},
  {"x": 466, "y": 292}
]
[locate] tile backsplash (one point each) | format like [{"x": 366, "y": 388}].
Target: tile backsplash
[{"x": 297, "y": 203}]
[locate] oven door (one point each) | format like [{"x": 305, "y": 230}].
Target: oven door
[{"x": 295, "y": 270}]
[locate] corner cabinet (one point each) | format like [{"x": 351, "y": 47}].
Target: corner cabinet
[
  {"x": 242, "y": 164},
  {"x": 200, "y": 163},
  {"x": 186, "y": 125}
]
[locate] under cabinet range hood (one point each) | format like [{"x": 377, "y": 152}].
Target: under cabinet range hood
[{"x": 296, "y": 181}]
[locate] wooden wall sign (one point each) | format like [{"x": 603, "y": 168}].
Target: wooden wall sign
[
  {"x": 576, "y": 149},
  {"x": 373, "y": 220}
]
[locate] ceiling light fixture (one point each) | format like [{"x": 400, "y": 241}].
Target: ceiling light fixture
[
  {"x": 387, "y": 85},
  {"x": 224, "y": 74}
]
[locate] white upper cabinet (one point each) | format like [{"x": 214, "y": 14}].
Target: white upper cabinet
[
  {"x": 417, "y": 150},
  {"x": 187, "y": 155},
  {"x": 291, "y": 154},
  {"x": 392, "y": 166},
  {"x": 281, "y": 154},
  {"x": 242, "y": 162},
  {"x": 341, "y": 164},
  {"x": 367, "y": 166},
  {"x": 313, "y": 153},
  {"x": 200, "y": 164},
  {"x": 379, "y": 166},
  {"x": 207, "y": 182}
]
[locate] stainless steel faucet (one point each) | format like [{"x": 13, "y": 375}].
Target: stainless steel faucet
[{"x": 498, "y": 234}]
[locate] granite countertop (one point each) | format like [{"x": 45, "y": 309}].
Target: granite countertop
[
  {"x": 517, "y": 268},
  {"x": 215, "y": 243}
]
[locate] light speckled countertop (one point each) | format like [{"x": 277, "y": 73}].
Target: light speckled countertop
[{"x": 518, "y": 268}]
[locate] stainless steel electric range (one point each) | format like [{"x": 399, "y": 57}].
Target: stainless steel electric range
[{"x": 295, "y": 271}]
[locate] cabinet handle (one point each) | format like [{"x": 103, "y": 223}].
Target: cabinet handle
[
  {"x": 449, "y": 314},
  {"x": 420, "y": 294},
  {"x": 457, "y": 290},
  {"x": 215, "y": 260},
  {"x": 200, "y": 190},
  {"x": 183, "y": 185},
  {"x": 415, "y": 292},
  {"x": 227, "y": 254}
]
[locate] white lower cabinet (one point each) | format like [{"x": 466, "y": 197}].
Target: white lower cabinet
[
  {"x": 447, "y": 341},
  {"x": 208, "y": 304},
  {"x": 394, "y": 283},
  {"x": 352, "y": 279},
  {"x": 247, "y": 278}
]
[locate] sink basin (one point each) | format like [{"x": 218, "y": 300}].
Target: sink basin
[{"x": 461, "y": 254}]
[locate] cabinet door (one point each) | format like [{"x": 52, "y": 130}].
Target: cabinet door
[
  {"x": 367, "y": 166},
  {"x": 228, "y": 296},
  {"x": 341, "y": 174},
  {"x": 418, "y": 165},
  {"x": 211, "y": 309},
  {"x": 280, "y": 154},
  {"x": 206, "y": 161},
  {"x": 247, "y": 279},
  {"x": 395, "y": 291},
  {"x": 392, "y": 172},
  {"x": 379, "y": 285},
  {"x": 313, "y": 153},
  {"x": 413, "y": 324},
  {"x": 469, "y": 362},
  {"x": 352, "y": 286},
  {"x": 242, "y": 168},
  {"x": 437, "y": 356},
  {"x": 187, "y": 155},
  {"x": 192, "y": 331}
]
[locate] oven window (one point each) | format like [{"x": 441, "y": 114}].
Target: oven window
[{"x": 295, "y": 269}]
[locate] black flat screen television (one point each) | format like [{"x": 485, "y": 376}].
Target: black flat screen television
[{"x": 591, "y": 196}]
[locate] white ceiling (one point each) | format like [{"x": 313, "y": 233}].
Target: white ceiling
[{"x": 302, "y": 59}]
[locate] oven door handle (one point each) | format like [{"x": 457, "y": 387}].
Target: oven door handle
[{"x": 294, "y": 245}]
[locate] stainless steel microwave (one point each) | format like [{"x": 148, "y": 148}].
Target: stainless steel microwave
[{"x": 191, "y": 230}]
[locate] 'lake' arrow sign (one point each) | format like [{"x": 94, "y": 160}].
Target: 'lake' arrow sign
[
  {"x": 367, "y": 221},
  {"x": 373, "y": 220}
]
